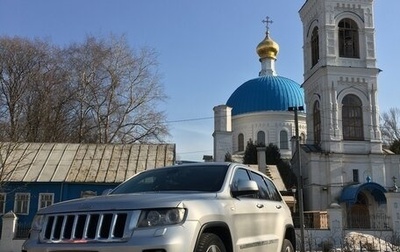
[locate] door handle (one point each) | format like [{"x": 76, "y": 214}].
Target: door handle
[
  {"x": 278, "y": 207},
  {"x": 260, "y": 205}
]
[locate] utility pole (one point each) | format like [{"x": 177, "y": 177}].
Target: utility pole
[{"x": 299, "y": 177}]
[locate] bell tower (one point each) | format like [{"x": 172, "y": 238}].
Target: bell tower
[{"x": 340, "y": 76}]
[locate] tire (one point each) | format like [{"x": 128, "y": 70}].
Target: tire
[
  {"x": 209, "y": 242},
  {"x": 287, "y": 246}
]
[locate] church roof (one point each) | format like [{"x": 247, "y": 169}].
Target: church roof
[
  {"x": 350, "y": 193},
  {"x": 266, "y": 93}
]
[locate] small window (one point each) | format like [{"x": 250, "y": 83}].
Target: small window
[
  {"x": 241, "y": 142},
  {"x": 21, "y": 203},
  {"x": 45, "y": 200},
  {"x": 355, "y": 176},
  {"x": 317, "y": 123},
  {"x": 314, "y": 47},
  {"x": 261, "y": 138},
  {"x": 284, "y": 141},
  {"x": 2, "y": 203},
  {"x": 348, "y": 39}
]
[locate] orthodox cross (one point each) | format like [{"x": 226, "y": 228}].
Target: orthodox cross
[{"x": 267, "y": 22}]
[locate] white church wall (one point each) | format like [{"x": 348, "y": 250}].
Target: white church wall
[
  {"x": 222, "y": 146},
  {"x": 316, "y": 183},
  {"x": 392, "y": 168},
  {"x": 271, "y": 123},
  {"x": 328, "y": 173}
]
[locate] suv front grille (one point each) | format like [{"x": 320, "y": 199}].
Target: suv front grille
[{"x": 85, "y": 227}]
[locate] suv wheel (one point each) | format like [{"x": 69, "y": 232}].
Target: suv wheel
[
  {"x": 287, "y": 246},
  {"x": 210, "y": 243}
]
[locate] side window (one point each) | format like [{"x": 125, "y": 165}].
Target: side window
[
  {"x": 263, "y": 189},
  {"x": 21, "y": 203},
  {"x": 317, "y": 123},
  {"x": 240, "y": 174},
  {"x": 355, "y": 176},
  {"x": 284, "y": 141},
  {"x": 45, "y": 200},
  {"x": 314, "y": 46},
  {"x": 273, "y": 191},
  {"x": 261, "y": 138},
  {"x": 241, "y": 142}
]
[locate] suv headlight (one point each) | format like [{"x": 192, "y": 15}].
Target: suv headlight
[
  {"x": 161, "y": 217},
  {"x": 37, "y": 222}
]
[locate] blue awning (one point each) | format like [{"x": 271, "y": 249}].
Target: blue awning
[{"x": 349, "y": 193}]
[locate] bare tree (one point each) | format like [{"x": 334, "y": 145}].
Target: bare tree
[
  {"x": 31, "y": 90},
  {"x": 98, "y": 91},
  {"x": 117, "y": 91},
  {"x": 390, "y": 126},
  {"x": 19, "y": 61}
]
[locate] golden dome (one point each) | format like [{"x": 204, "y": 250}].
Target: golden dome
[{"x": 267, "y": 48}]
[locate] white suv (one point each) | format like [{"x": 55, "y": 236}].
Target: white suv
[{"x": 203, "y": 207}]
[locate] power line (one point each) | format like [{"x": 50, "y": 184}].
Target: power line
[{"x": 190, "y": 119}]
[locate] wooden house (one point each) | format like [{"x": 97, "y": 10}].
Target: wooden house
[{"x": 35, "y": 175}]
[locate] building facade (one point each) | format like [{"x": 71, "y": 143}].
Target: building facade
[
  {"x": 36, "y": 175},
  {"x": 343, "y": 161}
]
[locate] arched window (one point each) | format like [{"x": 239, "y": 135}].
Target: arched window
[
  {"x": 317, "y": 123},
  {"x": 240, "y": 142},
  {"x": 348, "y": 39},
  {"x": 284, "y": 141},
  {"x": 352, "y": 119},
  {"x": 314, "y": 47},
  {"x": 261, "y": 138}
]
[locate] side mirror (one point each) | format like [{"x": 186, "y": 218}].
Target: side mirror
[{"x": 245, "y": 187}]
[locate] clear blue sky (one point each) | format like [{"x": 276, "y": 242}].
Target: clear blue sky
[{"x": 206, "y": 47}]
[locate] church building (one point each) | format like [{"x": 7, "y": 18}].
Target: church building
[
  {"x": 342, "y": 161},
  {"x": 258, "y": 110}
]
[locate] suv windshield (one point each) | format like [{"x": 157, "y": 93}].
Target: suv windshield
[{"x": 179, "y": 178}]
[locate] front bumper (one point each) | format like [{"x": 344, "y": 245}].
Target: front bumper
[{"x": 169, "y": 238}]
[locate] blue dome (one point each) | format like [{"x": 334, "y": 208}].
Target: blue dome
[{"x": 266, "y": 93}]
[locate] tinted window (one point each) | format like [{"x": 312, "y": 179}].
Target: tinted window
[
  {"x": 179, "y": 178},
  {"x": 273, "y": 191},
  {"x": 240, "y": 174},
  {"x": 263, "y": 189}
]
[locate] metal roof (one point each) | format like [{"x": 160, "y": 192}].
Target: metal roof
[
  {"x": 96, "y": 163},
  {"x": 266, "y": 93},
  {"x": 350, "y": 193}
]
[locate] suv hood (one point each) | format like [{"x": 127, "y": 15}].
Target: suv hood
[{"x": 125, "y": 202}]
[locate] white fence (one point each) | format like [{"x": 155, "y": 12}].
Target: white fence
[{"x": 8, "y": 242}]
